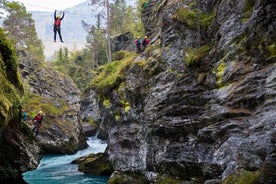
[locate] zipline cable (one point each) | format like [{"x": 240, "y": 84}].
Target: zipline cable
[
  {"x": 46, "y": 8},
  {"x": 63, "y": 42}
]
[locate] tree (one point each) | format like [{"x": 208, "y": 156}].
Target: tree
[
  {"x": 21, "y": 29},
  {"x": 118, "y": 13},
  {"x": 107, "y": 5}
]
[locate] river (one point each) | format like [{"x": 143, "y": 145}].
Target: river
[{"x": 57, "y": 169}]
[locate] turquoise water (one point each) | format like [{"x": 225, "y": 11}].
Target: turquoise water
[{"x": 57, "y": 169}]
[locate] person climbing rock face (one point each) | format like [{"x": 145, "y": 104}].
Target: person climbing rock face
[
  {"x": 37, "y": 120},
  {"x": 57, "y": 24}
]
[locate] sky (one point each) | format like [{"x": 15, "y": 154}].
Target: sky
[{"x": 48, "y": 5}]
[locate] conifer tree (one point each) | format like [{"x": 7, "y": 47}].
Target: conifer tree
[
  {"x": 107, "y": 6},
  {"x": 21, "y": 29}
]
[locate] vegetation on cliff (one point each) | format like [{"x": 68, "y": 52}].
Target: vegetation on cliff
[
  {"x": 10, "y": 83},
  {"x": 112, "y": 74}
]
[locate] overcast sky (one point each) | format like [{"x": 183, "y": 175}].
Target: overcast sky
[{"x": 48, "y": 5}]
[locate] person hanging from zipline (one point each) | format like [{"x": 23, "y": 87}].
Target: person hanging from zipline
[{"x": 57, "y": 24}]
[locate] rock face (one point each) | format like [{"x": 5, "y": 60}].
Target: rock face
[
  {"x": 19, "y": 152},
  {"x": 62, "y": 132},
  {"x": 124, "y": 41},
  {"x": 202, "y": 97},
  {"x": 59, "y": 98}
]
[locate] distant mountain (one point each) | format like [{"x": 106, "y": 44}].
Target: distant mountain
[{"x": 73, "y": 34}]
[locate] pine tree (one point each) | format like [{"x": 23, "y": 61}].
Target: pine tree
[
  {"x": 21, "y": 29},
  {"x": 107, "y": 5}
]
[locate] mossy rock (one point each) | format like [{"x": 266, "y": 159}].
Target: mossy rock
[
  {"x": 243, "y": 177},
  {"x": 127, "y": 178},
  {"x": 167, "y": 179},
  {"x": 112, "y": 74},
  {"x": 10, "y": 84},
  {"x": 9, "y": 63},
  {"x": 95, "y": 164}
]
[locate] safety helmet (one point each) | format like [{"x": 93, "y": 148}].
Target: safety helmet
[{"x": 40, "y": 112}]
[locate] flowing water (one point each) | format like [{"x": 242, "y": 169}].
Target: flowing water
[{"x": 57, "y": 169}]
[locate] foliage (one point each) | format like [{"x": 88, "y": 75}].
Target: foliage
[
  {"x": 111, "y": 74},
  {"x": 21, "y": 29},
  {"x": 78, "y": 66},
  {"x": 97, "y": 46},
  {"x": 118, "y": 11}
]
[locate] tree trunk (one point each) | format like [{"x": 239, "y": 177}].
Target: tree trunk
[{"x": 108, "y": 32}]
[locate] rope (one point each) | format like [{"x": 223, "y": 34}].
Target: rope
[{"x": 46, "y": 8}]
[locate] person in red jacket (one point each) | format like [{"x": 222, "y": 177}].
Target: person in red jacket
[
  {"x": 37, "y": 120},
  {"x": 57, "y": 24},
  {"x": 145, "y": 42}
]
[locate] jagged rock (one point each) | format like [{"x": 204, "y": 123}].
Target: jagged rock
[
  {"x": 89, "y": 130},
  {"x": 198, "y": 115}
]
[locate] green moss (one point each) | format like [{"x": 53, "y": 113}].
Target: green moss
[
  {"x": 9, "y": 62},
  {"x": 193, "y": 55},
  {"x": 126, "y": 105},
  {"x": 243, "y": 177},
  {"x": 220, "y": 73},
  {"x": 91, "y": 121},
  {"x": 111, "y": 74},
  {"x": 106, "y": 102},
  {"x": 272, "y": 50},
  {"x": 119, "y": 55},
  {"x": 248, "y": 9},
  {"x": 9, "y": 97},
  {"x": 32, "y": 103},
  {"x": 10, "y": 84},
  {"x": 190, "y": 17},
  {"x": 206, "y": 19},
  {"x": 126, "y": 178},
  {"x": 186, "y": 15},
  {"x": 117, "y": 116},
  {"x": 166, "y": 179},
  {"x": 152, "y": 65}
]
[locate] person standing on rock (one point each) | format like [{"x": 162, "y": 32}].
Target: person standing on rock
[
  {"x": 57, "y": 24},
  {"x": 37, "y": 120},
  {"x": 145, "y": 42},
  {"x": 138, "y": 44},
  {"x": 24, "y": 117}
]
